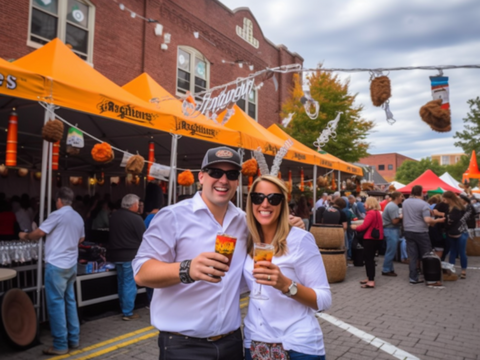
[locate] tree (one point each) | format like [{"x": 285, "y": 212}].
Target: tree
[
  {"x": 469, "y": 138},
  {"x": 349, "y": 144},
  {"x": 410, "y": 170}
]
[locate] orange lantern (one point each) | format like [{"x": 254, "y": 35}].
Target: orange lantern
[
  {"x": 151, "y": 159},
  {"x": 302, "y": 184},
  {"x": 280, "y": 175},
  {"x": 12, "y": 138},
  {"x": 55, "y": 155},
  {"x": 103, "y": 153},
  {"x": 250, "y": 182}
]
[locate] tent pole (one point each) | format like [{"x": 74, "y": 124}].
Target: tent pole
[
  {"x": 173, "y": 162},
  {"x": 339, "y": 181},
  {"x": 314, "y": 193},
  {"x": 49, "y": 181},
  {"x": 43, "y": 183},
  {"x": 241, "y": 152}
]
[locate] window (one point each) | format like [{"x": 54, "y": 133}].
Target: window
[
  {"x": 72, "y": 21},
  {"x": 445, "y": 160},
  {"x": 249, "y": 105},
  {"x": 246, "y": 33},
  {"x": 381, "y": 167},
  {"x": 192, "y": 71},
  {"x": 390, "y": 167}
]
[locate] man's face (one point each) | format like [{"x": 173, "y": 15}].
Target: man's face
[
  {"x": 351, "y": 200},
  {"x": 218, "y": 192}
]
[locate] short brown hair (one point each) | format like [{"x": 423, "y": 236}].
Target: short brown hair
[
  {"x": 340, "y": 203},
  {"x": 417, "y": 190}
]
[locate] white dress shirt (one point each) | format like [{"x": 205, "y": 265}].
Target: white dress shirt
[
  {"x": 64, "y": 229},
  {"x": 181, "y": 232},
  {"x": 281, "y": 319}
]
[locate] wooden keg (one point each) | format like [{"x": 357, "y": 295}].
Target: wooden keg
[
  {"x": 335, "y": 264},
  {"x": 473, "y": 246},
  {"x": 328, "y": 236}
]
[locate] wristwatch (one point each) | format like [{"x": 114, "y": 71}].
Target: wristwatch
[
  {"x": 292, "y": 289},
  {"x": 185, "y": 272}
]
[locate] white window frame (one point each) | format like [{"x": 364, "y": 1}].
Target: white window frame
[
  {"x": 193, "y": 54},
  {"x": 62, "y": 26},
  {"x": 443, "y": 158},
  {"x": 247, "y": 103}
]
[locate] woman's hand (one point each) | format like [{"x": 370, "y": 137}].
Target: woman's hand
[
  {"x": 353, "y": 227},
  {"x": 269, "y": 274}
]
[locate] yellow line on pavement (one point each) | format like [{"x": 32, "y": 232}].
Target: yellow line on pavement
[
  {"x": 244, "y": 303},
  {"x": 103, "y": 343}
]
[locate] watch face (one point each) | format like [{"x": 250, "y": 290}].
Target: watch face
[{"x": 293, "y": 289}]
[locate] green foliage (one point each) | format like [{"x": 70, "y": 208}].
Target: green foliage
[
  {"x": 410, "y": 170},
  {"x": 333, "y": 96},
  {"x": 469, "y": 138}
]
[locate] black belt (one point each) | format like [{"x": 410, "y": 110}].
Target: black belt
[{"x": 211, "y": 338}]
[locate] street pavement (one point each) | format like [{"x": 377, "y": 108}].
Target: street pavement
[{"x": 395, "y": 320}]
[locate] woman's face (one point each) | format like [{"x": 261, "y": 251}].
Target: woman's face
[{"x": 265, "y": 213}]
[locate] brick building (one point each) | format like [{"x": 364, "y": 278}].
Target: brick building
[
  {"x": 448, "y": 159},
  {"x": 386, "y": 164},
  {"x": 195, "y": 45}
]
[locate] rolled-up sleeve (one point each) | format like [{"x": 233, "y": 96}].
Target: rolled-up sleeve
[
  {"x": 311, "y": 271},
  {"x": 158, "y": 240}
]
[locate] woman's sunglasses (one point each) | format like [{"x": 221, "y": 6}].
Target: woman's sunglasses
[
  {"x": 273, "y": 199},
  {"x": 218, "y": 173}
]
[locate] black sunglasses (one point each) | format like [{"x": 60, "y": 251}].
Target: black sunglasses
[
  {"x": 218, "y": 173},
  {"x": 273, "y": 199}
]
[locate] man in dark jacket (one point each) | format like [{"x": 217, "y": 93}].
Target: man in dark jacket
[{"x": 126, "y": 232}]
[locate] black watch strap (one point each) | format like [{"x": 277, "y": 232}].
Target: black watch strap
[{"x": 185, "y": 272}]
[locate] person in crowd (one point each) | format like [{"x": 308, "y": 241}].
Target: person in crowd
[
  {"x": 352, "y": 201},
  {"x": 296, "y": 273},
  {"x": 403, "y": 251},
  {"x": 141, "y": 209},
  {"x": 101, "y": 215},
  {"x": 333, "y": 215},
  {"x": 322, "y": 201},
  {"x": 125, "y": 236},
  {"x": 437, "y": 231},
  {"x": 371, "y": 243},
  {"x": 416, "y": 219},
  {"x": 23, "y": 212},
  {"x": 79, "y": 206},
  {"x": 9, "y": 227},
  {"x": 361, "y": 212},
  {"x": 384, "y": 202},
  {"x": 391, "y": 218},
  {"x": 470, "y": 212},
  {"x": 433, "y": 201},
  {"x": 64, "y": 230},
  {"x": 457, "y": 230},
  {"x": 196, "y": 301},
  {"x": 302, "y": 210}
]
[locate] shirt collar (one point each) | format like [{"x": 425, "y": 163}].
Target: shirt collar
[{"x": 199, "y": 204}]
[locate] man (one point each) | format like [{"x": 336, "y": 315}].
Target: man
[
  {"x": 391, "y": 231},
  {"x": 360, "y": 208},
  {"x": 64, "y": 229},
  {"x": 195, "y": 304},
  {"x": 126, "y": 231},
  {"x": 322, "y": 201},
  {"x": 416, "y": 219},
  {"x": 384, "y": 202}
]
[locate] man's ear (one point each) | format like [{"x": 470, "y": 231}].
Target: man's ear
[{"x": 201, "y": 174}]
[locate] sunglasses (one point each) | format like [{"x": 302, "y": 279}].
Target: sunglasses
[
  {"x": 273, "y": 199},
  {"x": 218, "y": 173}
]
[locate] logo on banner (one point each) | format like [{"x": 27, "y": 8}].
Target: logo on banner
[
  {"x": 299, "y": 156},
  {"x": 125, "y": 111},
  {"x": 10, "y": 81},
  {"x": 196, "y": 129},
  {"x": 270, "y": 148}
]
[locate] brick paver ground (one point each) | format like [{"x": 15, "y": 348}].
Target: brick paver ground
[{"x": 427, "y": 323}]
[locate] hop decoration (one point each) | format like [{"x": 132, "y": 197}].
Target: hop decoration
[
  {"x": 135, "y": 165},
  {"x": 72, "y": 151},
  {"x": 52, "y": 131},
  {"x": 368, "y": 186},
  {"x": 437, "y": 117},
  {"x": 250, "y": 167},
  {"x": 391, "y": 188},
  {"x": 380, "y": 90},
  {"x": 334, "y": 184},
  {"x": 322, "y": 182},
  {"x": 186, "y": 178},
  {"x": 102, "y": 153},
  {"x": 350, "y": 185}
]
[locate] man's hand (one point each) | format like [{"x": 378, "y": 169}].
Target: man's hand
[
  {"x": 22, "y": 235},
  {"x": 209, "y": 266},
  {"x": 296, "y": 221}
]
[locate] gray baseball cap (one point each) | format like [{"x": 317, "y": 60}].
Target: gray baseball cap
[{"x": 221, "y": 154}]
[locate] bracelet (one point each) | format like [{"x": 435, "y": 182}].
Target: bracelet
[{"x": 185, "y": 272}]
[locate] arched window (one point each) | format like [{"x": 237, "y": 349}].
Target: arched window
[
  {"x": 193, "y": 71},
  {"x": 72, "y": 21}
]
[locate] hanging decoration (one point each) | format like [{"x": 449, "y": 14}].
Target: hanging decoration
[
  {"x": 132, "y": 179},
  {"x": 55, "y": 155},
  {"x": 287, "y": 120},
  {"x": 3, "y": 171},
  {"x": 380, "y": 93},
  {"x": 302, "y": 180},
  {"x": 102, "y": 153},
  {"x": 151, "y": 159},
  {"x": 322, "y": 182},
  {"x": 101, "y": 179},
  {"x": 228, "y": 114},
  {"x": 189, "y": 105},
  {"x": 52, "y": 131},
  {"x": 75, "y": 138},
  {"x": 72, "y": 151},
  {"x": 328, "y": 132},
  {"x": 186, "y": 178},
  {"x": 22, "y": 172},
  {"x": 37, "y": 175},
  {"x": 250, "y": 167},
  {"x": 312, "y": 107},
  {"x": 114, "y": 180},
  {"x": 280, "y": 175},
  {"x": 135, "y": 165},
  {"x": 76, "y": 180},
  {"x": 334, "y": 184},
  {"x": 12, "y": 139},
  {"x": 436, "y": 113}
]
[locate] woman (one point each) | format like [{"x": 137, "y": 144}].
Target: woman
[
  {"x": 295, "y": 281},
  {"x": 457, "y": 231},
  {"x": 303, "y": 211},
  {"x": 371, "y": 244}
]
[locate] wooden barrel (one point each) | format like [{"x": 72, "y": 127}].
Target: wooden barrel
[
  {"x": 328, "y": 236},
  {"x": 473, "y": 246},
  {"x": 335, "y": 264}
]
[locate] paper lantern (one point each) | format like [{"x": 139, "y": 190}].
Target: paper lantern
[
  {"x": 135, "y": 165},
  {"x": 55, "y": 155},
  {"x": 52, "y": 131},
  {"x": 250, "y": 167},
  {"x": 22, "y": 172},
  {"x": 186, "y": 178},
  {"x": 102, "y": 153},
  {"x": 151, "y": 159},
  {"x": 12, "y": 138}
]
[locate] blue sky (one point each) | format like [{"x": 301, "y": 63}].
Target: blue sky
[{"x": 385, "y": 34}]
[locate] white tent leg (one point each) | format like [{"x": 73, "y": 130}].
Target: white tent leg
[
  {"x": 49, "y": 181},
  {"x": 314, "y": 192},
  {"x": 173, "y": 170},
  {"x": 241, "y": 152}
]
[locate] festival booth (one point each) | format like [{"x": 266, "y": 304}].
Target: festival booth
[
  {"x": 451, "y": 181},
  {"x": 473, "y": 243},
  {"x": 429, "y": 181}
]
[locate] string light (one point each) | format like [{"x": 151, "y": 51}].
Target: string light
[{"x": 133, "y": 14}]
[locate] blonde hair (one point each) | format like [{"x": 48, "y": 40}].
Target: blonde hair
[
  {"x": 283, "y": 227},
  {"x": 372, "y": 203}
]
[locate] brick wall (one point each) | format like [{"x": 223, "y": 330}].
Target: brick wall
[{"x": 393, "y": 159}]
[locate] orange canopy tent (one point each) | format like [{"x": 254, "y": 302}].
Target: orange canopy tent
[
  {"x": 429, "y": 181},
  {"x": 17, "y": 82},
  {"x": 472, "y": 171},
  {"x": 324, "y": 160}
]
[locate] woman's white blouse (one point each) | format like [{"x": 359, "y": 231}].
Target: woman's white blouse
[{"x": 281, "y": 319}]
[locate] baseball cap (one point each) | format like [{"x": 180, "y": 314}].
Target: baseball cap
[{"x": 221, "y": 154}]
